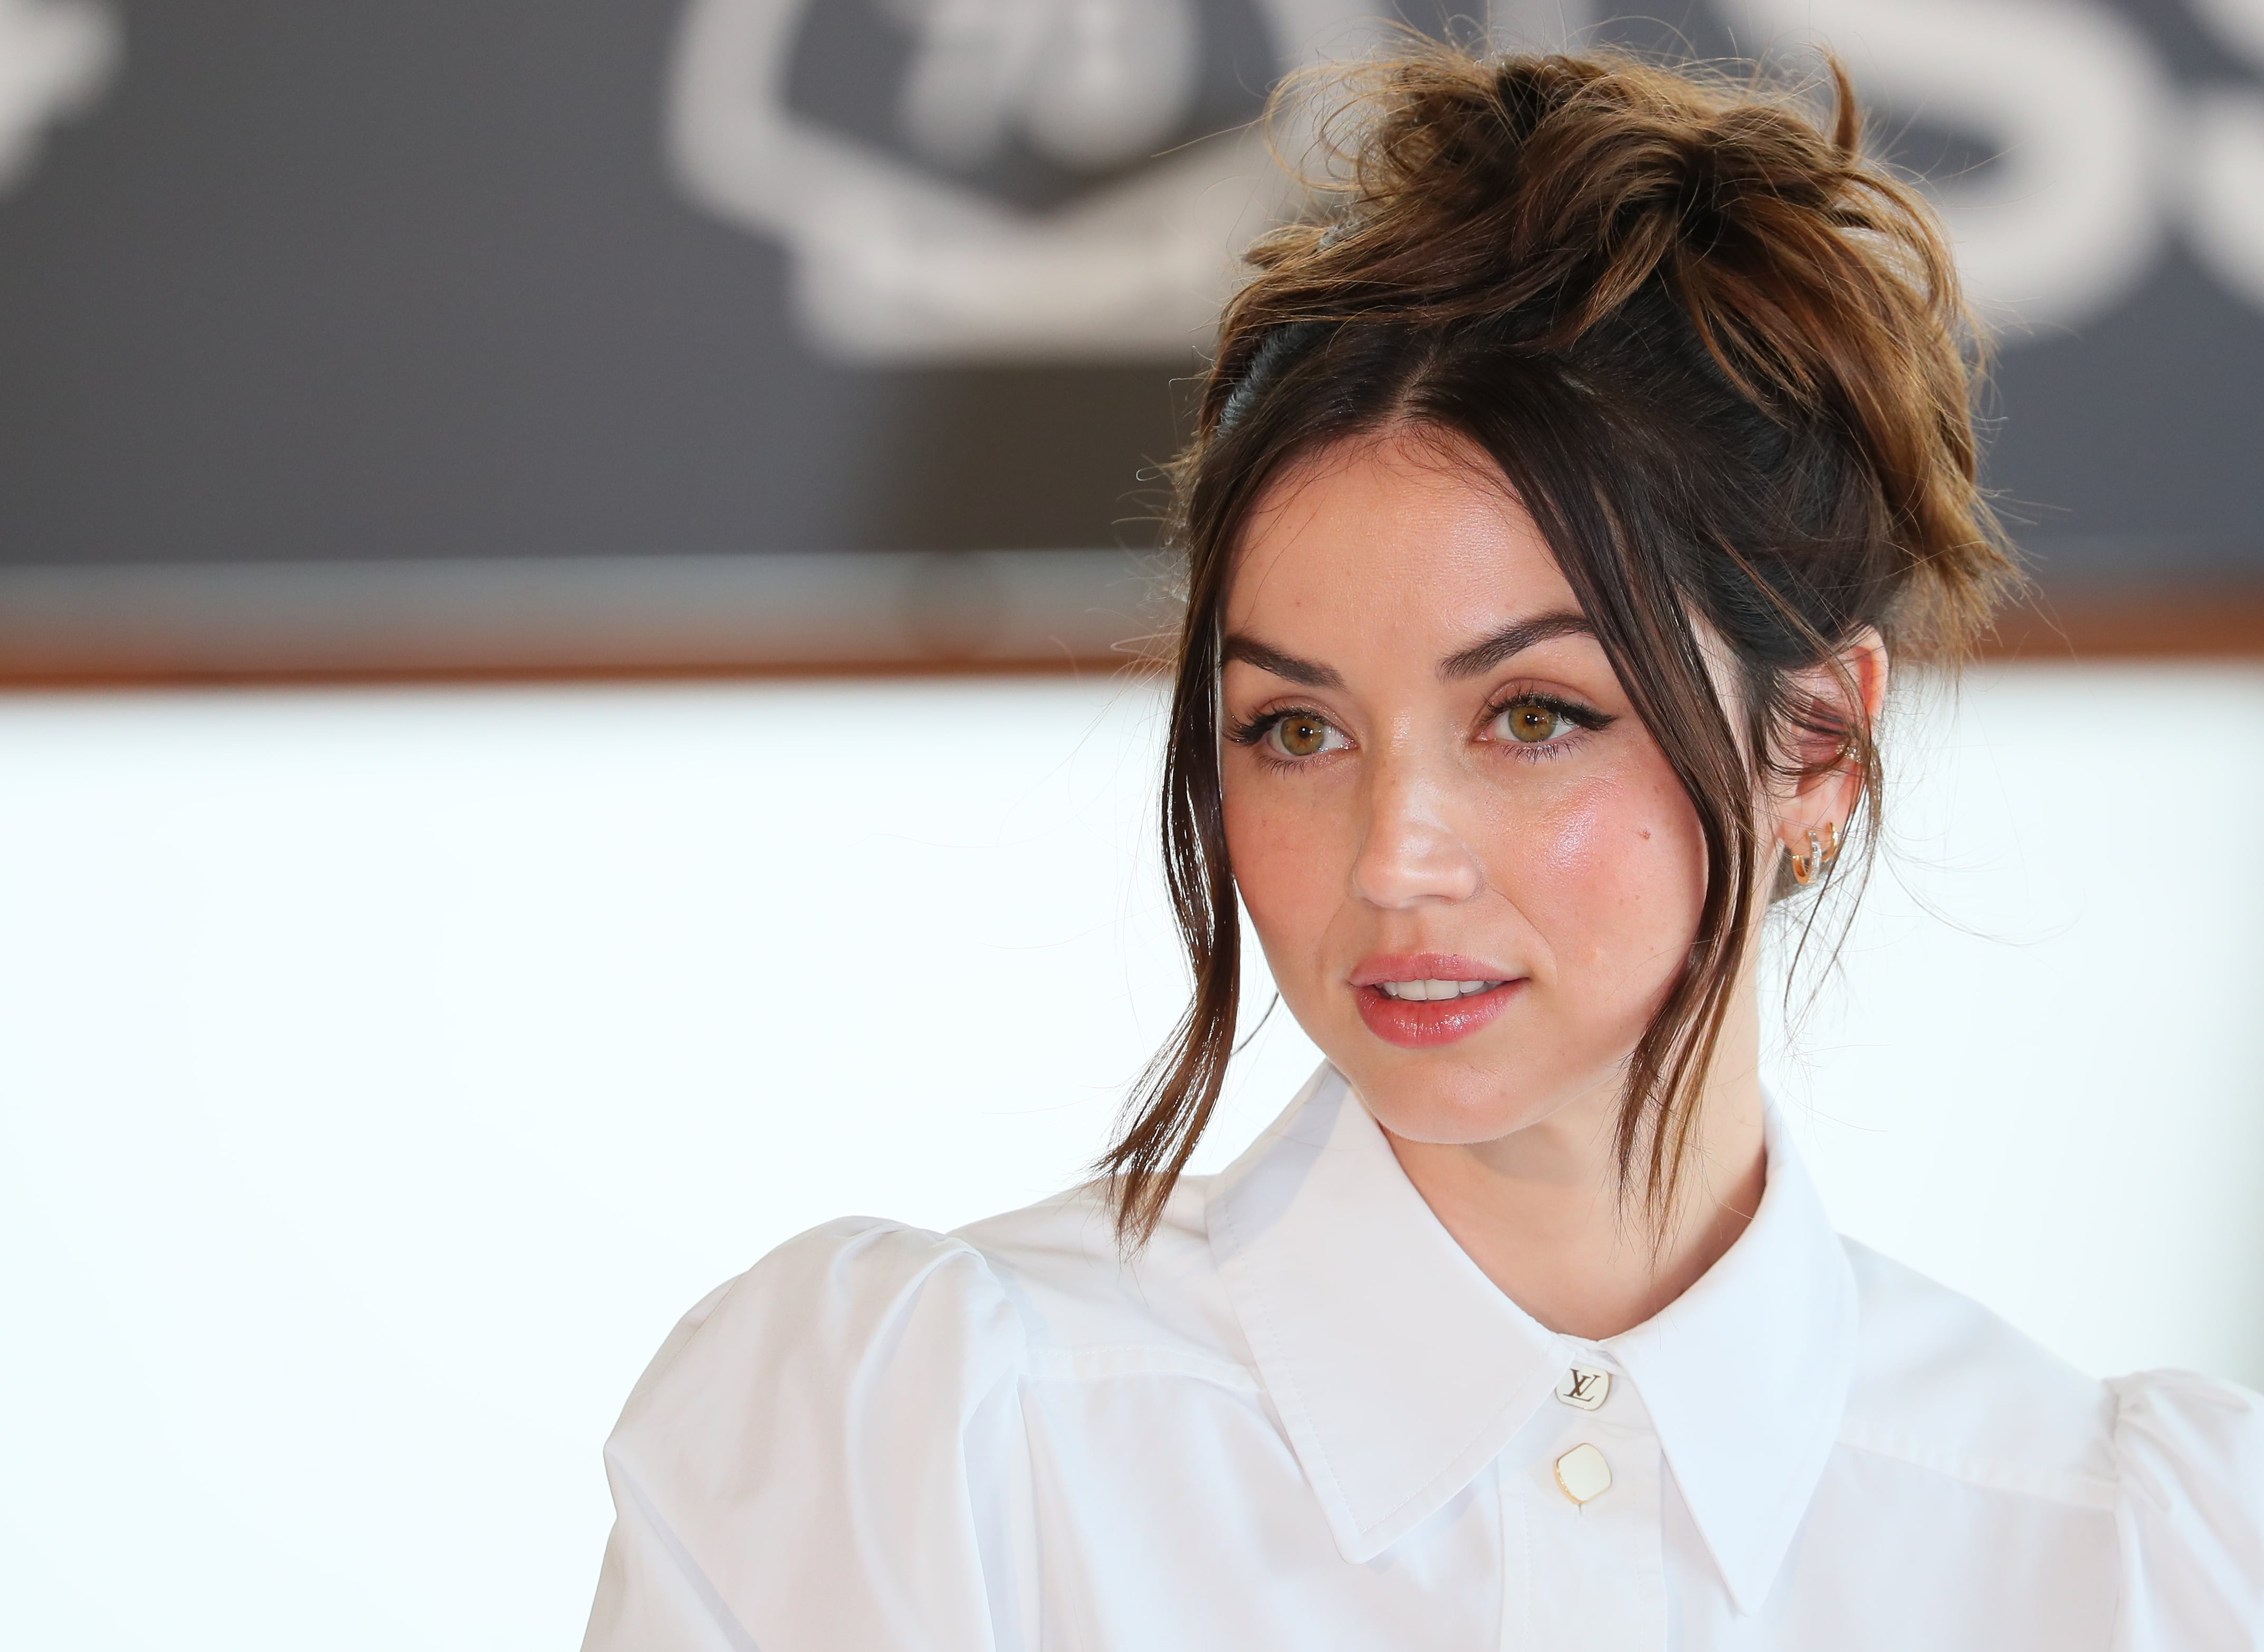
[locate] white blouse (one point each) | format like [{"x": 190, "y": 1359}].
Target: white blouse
[{"x": 1304, "y": 1418}]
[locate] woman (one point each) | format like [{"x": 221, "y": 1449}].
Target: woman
[{"x": 1563, "y": 502}]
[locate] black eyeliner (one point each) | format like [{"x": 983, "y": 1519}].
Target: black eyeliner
[
  {"x": 1257, "y": 728},
  {"x": 1571, "y": 711}
]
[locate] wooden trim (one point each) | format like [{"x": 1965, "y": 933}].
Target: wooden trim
[
  {"x": 2086, "y": 623},
  {"x": 96, "y": 677},
  {"x": 1019, "y": 613},
  {"x": 577, "y": 620}
]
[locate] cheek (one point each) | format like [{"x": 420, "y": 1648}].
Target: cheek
[
  {"x": 1611, "y": 872},
  {"x": 1286, "y": 863}
]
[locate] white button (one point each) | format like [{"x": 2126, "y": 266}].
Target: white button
[
  {"x": 1585, "y": 1387},
  {"x": 1584, "y": 1473}
]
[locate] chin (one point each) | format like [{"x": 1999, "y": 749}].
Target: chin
[{"x": 1453, "y": 1105}]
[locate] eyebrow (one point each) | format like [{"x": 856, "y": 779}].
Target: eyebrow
[
  {"x": 1250, "y": 649},
  {"x": 1481, "y": 656},
  {"x": 1513, "y": 639}
]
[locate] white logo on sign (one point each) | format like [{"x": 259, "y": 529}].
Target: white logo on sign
[
  {"x": 1090, "y": 84},
  {"x": 2099, "y": 155},
  {"x": 2097, "y": 158},
  {"x": 2062, "y": 224},
  {"x": 2226, "y": 167},
  {"x": 894, "y": 263},
  {"x": 55, "y": 56}
]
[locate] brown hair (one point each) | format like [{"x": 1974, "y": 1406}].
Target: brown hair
[{"x": 1718, "y": 355}]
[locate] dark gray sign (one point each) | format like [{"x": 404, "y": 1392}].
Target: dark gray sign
[{"x": 443, "y": 295}]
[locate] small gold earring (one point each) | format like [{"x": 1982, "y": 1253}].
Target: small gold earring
[{"x": 1822, "y": 850}]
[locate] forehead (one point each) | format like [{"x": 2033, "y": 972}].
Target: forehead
[{"x": 1413, "y": 537}]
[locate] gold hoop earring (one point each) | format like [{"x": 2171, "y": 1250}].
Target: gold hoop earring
[{"x": 1822, "y": 850}]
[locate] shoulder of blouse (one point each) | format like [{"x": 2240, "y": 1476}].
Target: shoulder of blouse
[
  {"x": 1946, "y": 1386},
  {"x": 2189, "y": 1453},
  {"x": 1041, "y": 1293},
  {"x": 804, "y": 1424},
  {"x": 817, "y": 1309},
  {"x": 1091, "y": 1310},
  {"x": 2175, "y": 1460}
]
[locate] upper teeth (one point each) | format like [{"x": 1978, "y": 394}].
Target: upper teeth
[{"x": 1415, "y": 990}]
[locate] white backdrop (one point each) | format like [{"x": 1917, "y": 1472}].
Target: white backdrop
[{"x": 381, "y": 1072}]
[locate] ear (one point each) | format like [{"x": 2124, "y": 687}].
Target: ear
[{"x": 1850, "y": 690}]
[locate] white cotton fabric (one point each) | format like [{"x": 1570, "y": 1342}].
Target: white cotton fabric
[{"x": 1304, "y": 1418}]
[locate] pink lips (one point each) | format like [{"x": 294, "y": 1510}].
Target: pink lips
[{"x": 1422, "y": 1025}]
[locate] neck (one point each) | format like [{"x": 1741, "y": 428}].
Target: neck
[{"x": 1540, "y": 1211}]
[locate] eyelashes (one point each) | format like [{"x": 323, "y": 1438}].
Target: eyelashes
[
  {"x": 1549, "y": 719},
  {"x": 1569, "y": 710},
  {"x": 1249, "y": 734},
  {"x": 1291, "y": 735}
]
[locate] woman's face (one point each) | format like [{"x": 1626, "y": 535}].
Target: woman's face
[{"x": 1472, "y": 869}]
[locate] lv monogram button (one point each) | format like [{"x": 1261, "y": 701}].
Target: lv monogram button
[{"x": 1585, "y": 1387}]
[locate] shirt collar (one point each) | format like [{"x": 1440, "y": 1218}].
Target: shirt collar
[{"x": 1399, "y": 1371}]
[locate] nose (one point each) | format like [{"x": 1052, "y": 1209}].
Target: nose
[{"x": 1410, "y": 854}]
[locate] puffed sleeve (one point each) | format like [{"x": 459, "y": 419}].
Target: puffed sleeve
[
  {"x": 826, "y": 1453},
  {"x": 2190, "y": 1454}
]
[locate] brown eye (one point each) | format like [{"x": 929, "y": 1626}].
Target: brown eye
[
  {"x": 1301, "y": 737},
  {"x": 1531, "y": 723}
]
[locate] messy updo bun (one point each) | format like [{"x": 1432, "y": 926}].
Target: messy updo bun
[{"x": 1717, "y": 354}]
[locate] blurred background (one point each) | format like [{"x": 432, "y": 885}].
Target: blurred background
[{"x": 566, "y": 578}]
